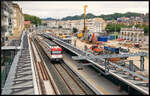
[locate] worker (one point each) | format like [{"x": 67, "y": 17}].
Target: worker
[
  {"x": 75, "y": 42},
  {"x": 85, "y": 48},
  {"x": 79, "y": 65}
]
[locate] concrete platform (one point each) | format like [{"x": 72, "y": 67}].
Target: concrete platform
[{"x": 92, "y": 78}]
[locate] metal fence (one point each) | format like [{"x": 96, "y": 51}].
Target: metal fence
[{"x": 5, "y": 72}]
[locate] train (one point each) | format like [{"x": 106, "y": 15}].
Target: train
[{"x": 53, "y": 51}]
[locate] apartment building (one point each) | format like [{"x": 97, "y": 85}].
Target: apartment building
[
  {"x": 94, "y": 25},
  {"x": 6, "y": 21},
  {"x": 18, "y": 22}
]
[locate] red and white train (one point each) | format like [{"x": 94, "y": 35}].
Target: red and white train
[{"x": 53, "y": 51}]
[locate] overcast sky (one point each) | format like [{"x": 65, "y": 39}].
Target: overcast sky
[{"x": 59, "y": 9}]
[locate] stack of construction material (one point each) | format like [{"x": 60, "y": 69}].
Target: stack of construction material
[
  {"x": 143, "y": 74},
  {"x": 144, "y": 48},
  {"x": 103, "y": 39},
  {"x": 112, "y": 37},
  {"x": 128, "y": 45},
  {"x": 114, "y": 59}
]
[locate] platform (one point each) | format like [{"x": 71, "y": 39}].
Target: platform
[
  {"x": 10, "y": 48},
  {"x": 99, "y": 83},
  {"x": 20, "y": 79}
]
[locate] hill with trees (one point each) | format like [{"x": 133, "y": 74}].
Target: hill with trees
[
  {"x": 49, "y": 18},
  {"x": 105, "y": 17},
  {"x": 34, "y": 19},
  {"x": 117, "y": 27}
]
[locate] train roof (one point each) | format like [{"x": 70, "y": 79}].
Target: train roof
[{"x": 50, "y": 42}]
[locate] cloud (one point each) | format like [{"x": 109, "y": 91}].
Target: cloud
[{"x": 70, "y": 8}]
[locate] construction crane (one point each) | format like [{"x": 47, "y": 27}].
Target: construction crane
[
  {"x": 81, "y": 34},
  {"x": 85, "y": 6}
]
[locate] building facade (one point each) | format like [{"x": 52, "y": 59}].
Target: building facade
[
  {"x": 18, "y": 22},
  {"x": 94, "y": 25},
  {"x": 6, "y": 21},
  {"x": 134, "y": 34}
]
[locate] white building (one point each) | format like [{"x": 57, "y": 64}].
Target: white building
[
  {"x": 134, "y": 34},
  {"x": 95, "y": 25}
]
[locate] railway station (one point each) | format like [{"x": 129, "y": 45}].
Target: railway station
[
  {"x": 78, "y": 71},
  {"x": 54, "y": 60}
]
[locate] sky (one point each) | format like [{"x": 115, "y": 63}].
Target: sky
[{"x": 58, "y": 10}]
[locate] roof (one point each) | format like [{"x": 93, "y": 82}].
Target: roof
[
  {"x": 9, "y": 48},
  {"x": 27, "y": 22}
]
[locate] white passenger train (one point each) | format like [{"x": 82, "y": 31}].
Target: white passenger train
[{"x": 53, "y": 51}]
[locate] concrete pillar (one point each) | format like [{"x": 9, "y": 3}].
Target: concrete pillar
[
  {"x": 142, "y": 63},
  {"x": 131, "y": 66},
  {"x": 130, "y": 36},
  {"x": 134, "y": 36},
  {"x": 138, "y": 37},
  {"x": 127, "y": 36}
]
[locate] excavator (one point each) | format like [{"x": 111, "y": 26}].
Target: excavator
[
  {"x": 96, "y": 50},
  {"x": 81, "y": 34}
]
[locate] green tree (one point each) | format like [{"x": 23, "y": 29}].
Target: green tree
[
  {"x": 110, "y": 28},
  {"x": 75, "y": 30},
  {"x": 146, "y": 29},
  {"x": 60, "y": 26},
  {"x": 138, "y": 26},
  {"x": 34, "y": 20},
  {"x": 105, "y": 17}
]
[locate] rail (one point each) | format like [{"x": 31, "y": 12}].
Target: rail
[
  {"x": 71, "y": 83},
  {"x": 47, "y": 85}
]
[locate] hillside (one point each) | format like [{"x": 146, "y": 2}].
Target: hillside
[
  {"x": 105, "y": 17},
  {"x": 49, "y": 18}
]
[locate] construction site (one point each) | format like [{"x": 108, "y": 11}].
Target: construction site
[
  {"x": 53, "y": 61},
  {"x": 104, "y": 44}
]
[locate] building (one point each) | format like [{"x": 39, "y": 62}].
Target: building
[
  {"x": 134, "y": 34},
  {"x": 94, "y": 25},
  {"x": 18, "y": 22},
  {"x": 27, "y": 24},
  {"x": 6, "y": 23}
]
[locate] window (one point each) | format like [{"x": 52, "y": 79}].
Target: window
[
  {"x": 56, "y": 52},
  {"x": 124, "y": 50}
]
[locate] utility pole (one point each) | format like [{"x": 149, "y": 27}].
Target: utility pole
[{"x": 115, "y": 26}]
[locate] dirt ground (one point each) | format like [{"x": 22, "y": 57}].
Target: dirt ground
[{"x": 136, "y": 59}]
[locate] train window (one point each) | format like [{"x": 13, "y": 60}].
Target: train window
[{"x": 56, "y": 52}]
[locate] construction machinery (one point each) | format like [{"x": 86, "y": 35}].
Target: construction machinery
[
  {"x": 96, "y": 49},
  {"x": 93, "y": 39},
  {"x": 81, "y": 34},
  {"x": 137, "y": 45},
  {"x": 116, "y": 50}
]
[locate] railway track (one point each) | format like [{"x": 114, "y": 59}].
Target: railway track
[
  {"x": 45, "y": 81},
  {"x": 66, "y": 82},
  {"x": 73, "y": 86}
]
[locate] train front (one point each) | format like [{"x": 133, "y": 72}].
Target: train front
[{"x": 56, "y": 53}]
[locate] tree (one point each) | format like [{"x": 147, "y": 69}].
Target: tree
[
  {"x": 75, "y": 30},
  {"x": 34, "y": 20},
  {"x": 60, "y": 26},
  {"x": 146, "y": 29},
  {"x": 105, "y": 17},
  {"x": 138, "y": 26},
  {"x": 111, "y": 27}
]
